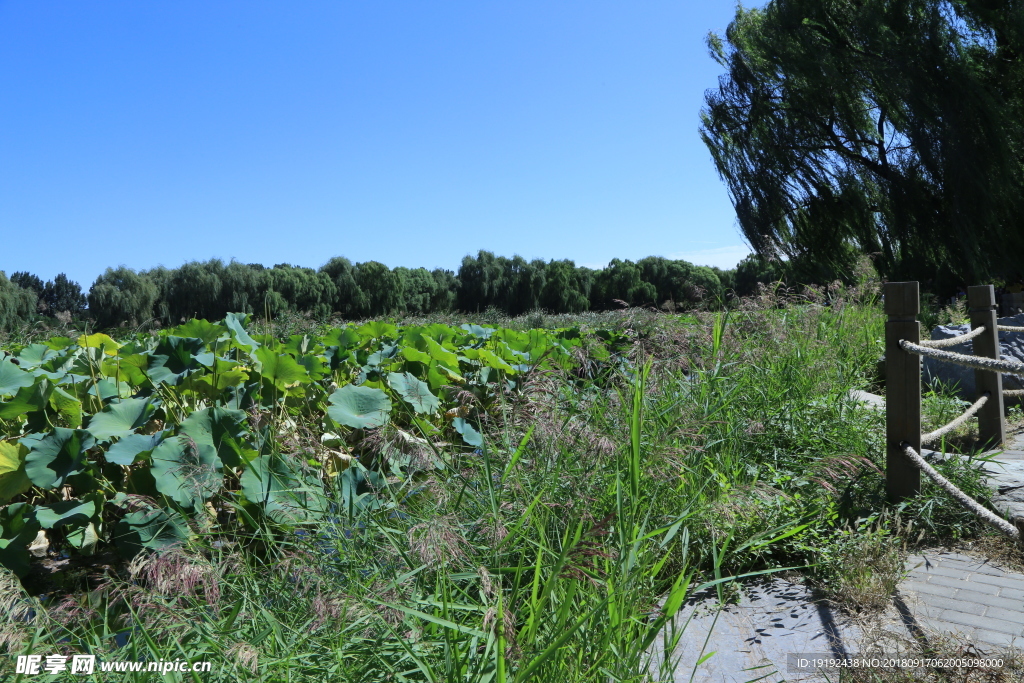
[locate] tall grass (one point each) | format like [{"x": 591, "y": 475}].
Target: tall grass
[{"x": 562, "y": 550}]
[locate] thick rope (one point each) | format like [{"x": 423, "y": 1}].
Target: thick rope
[
  {"x": 965, "y": 500},
  {"x": 977, "y": 362},
  {"x": 1007, "y": 328},
  {"x": 953, "y": 341},
  {"x": 1012, "y": 393},
  {"x": 968, "y": 414}
]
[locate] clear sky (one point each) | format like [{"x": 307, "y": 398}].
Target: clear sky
[{"x": 411, "y": 133}]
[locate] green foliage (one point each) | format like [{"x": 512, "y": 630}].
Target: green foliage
[
  {"x": 167, "y": 417},
  {"x": 16, "y": 304},
  {"x": 878, "y": 127},
  {"x": 122, "y": 296}
]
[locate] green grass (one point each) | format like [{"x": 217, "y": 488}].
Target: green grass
[{"x": 563, "y": 549}]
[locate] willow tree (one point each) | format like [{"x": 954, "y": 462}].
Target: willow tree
[{"x": 894, "y": 126}]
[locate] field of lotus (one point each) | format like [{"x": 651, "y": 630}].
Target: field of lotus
[{"x": 211, "y": 428}]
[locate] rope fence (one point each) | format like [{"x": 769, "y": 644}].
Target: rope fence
[
  {"x": 932, "y": 437},
  {"x": 953, "y": 341},
  {"x": 904, "y": 351}
]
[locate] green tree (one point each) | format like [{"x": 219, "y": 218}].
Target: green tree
[
  {"x": 121, "y": 296},
  {"x": 349, "y": 299},
  {"x": 17, "y": 304},
  {"x": 889, "y": 126},
  {"x": 61, "y": 294},
  {"x": 382, "y": 288}
]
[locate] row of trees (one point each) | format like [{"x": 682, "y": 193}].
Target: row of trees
[{"x": 514, "y": 285}]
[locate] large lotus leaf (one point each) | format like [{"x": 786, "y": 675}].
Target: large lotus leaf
[
  {"x": 377, "y": 330},
  {"x": 128, "y": 448},
  {"x": 285, "y": 496},
  {"x": 469, "y": 435},
  {"x": 18, "y": 527},
  {"x": 281, "y": 369},
  {"x": 67, "y": 406},
  {"x": 441, "y": 354},
  {"x": 121, "y": 418},
  {"x": 27, "y": 400},
  {"x": 342, "y": 337},
  {"x": 174, "y": 358},
  {"x": 13, "y": 378},
  {"x": 200, "y": 329},
  {"x": 223, "y": 429},
  {"x": 132, "y": 369},
  {"x": 359, "y": 407},
  {"x": 415, "y": 392},
  {"x": 412, "y": 354},
  {"x": 235, "y": 322},
  {"x": 99, "y": 341},
  {"x": 186, "y": 471},
  {"x": 477, "y": 331},
  {"x": 439, "y": 332},
  {"x": 491, "y": 360},
  {"x": 13, "y": 480},
  {"x": 59, "y": 343},
  {"x": 314, "y": 366},
  {"x": 387, "y": 352},
  {"x": 56, "y": 515},
  {"x": 56, "y": 456},
  {"x": 155, "y": 529},
  {"x": 83, "y": 538},
  {"x": 35, "y": 355}
]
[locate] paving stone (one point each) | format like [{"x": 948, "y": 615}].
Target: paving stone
[
  {"x": 987, "y": 623},
  {"x": 1012, "y": 594},
  {"x": 943, "y": 603},
  {"x": 923, "y": 587},
  {"x": 986, "y": 599},
  {"x": 1016, "y": 583},
  {"x": 997, "y": 639},
  {"x": 963, "y": 584},
  {"x": 1004, "y": 613}
]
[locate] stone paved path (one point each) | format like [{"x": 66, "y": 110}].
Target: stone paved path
[{"x": 944, "y": 593}]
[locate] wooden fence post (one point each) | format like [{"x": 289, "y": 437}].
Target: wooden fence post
[
  {"x": 991, "y": 424},
  {"x": 902, "y": 390}
]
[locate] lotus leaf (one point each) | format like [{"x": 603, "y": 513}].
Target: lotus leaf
[
  {"x": 54, "y": 457},
  {"x": 99, "y": 341},
  {"x": 13, "y": 378},
  {"x": 235, "y": 322},
  {"x": 186, "y": 471},
  {"x": 174, "y": 358},
  {"x": 280, "y": 369},
  {"x": 223, "y": 429},
  {"x": 415, "y": 392},
  {"x": 155, "y": 529},
  {"x": 56, "y": 515},
  {"x": 128, "y": 448},
  {"x": 13, "y": 480},
  {"x": 469, "y": 435},
  {"x": 18, "y": 527},
  {"x": 359, "y": 407},
  {"x": 120, "y": 418},
  {"x": 285, "y": 496}
]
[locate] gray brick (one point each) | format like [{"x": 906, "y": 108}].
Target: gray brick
[
  {"x": 990, "y": 570},
  {"x": 986, "y": 599},
  {"x": 1002, "y": 613},
  {"x": 1012, "y": 594},
  {"x": 921, "y": 587},
  {"x": 934, "y": 603},
  {"x": 940, "y": 626},
  {"x": 942, "y": 570},
  {"x": 1000, "y": 640},
  {"x": 987, "y": 623},
  {"x": 1009, "y": 581},
  {"x": 963, "y": 584}
]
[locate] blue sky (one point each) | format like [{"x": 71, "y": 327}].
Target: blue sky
[{"x": 411, "y": 133}]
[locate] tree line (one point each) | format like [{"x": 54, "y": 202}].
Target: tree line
[{"x": 210, "y": 289}]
